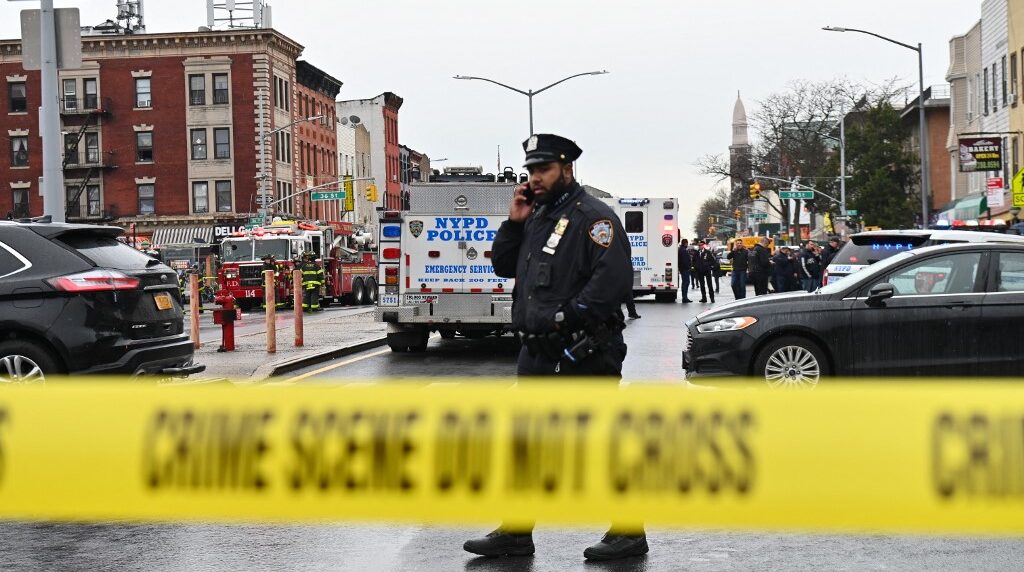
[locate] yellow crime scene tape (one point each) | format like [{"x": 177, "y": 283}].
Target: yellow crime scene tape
[{"x": 872, "y": 457}]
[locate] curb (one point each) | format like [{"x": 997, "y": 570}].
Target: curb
[{"x": 300, "y": 362}]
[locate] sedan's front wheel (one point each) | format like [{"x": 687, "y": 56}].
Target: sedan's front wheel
[{"x": 791, "y": 362}]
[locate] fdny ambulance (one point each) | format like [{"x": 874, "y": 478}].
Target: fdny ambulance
[
  {"x": 652, "y": 226},
  {"x": 435, "y": 271}
]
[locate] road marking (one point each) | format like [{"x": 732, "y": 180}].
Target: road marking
[{"x": 298, "y": 378}]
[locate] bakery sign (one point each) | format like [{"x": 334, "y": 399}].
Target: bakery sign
[{"x": 981, "y": 154}]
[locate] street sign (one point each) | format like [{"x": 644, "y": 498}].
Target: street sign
[
  {"x": 852, "y": 212},
  {"x": 69, "y": 39},
  {"x": 796, "y": 194},
  {"x": 328, "y": 196},
  {"x": 759, "y": 216}
]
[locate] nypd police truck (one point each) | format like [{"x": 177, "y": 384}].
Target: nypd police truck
[
  {"x": 435, "y": 271},
  {"x": 652, "y": 225}
]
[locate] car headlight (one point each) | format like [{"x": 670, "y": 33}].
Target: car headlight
[{"x": 726, "y": 324}]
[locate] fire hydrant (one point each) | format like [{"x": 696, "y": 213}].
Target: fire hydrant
[{"x": 226, "y": 316}]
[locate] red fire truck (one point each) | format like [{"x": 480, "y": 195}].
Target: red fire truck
[{"x": 350, "y": 268}]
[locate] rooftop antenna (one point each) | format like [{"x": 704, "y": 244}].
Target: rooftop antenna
[
  {"x": 131, "y": 16},
  {"x": 229, "y": 14}
]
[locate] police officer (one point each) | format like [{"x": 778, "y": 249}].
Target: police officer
[
  {"x": 571, "y": 261},
  {"x": 312, "y": 279}
]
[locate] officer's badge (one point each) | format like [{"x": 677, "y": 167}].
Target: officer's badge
[
  {"x": 416, "y": 228},
  {"x": 601, "y": 233},
  {"x": 531, "y": 144}
]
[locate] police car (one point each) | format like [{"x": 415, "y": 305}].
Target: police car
[
  {"x": 652, "y": 226},
  {"x": 435, "y": 271},
  {"x": 866, "y": 248}
]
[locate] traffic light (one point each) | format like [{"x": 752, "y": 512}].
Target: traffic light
[
  {"x": 371, "y": 193},
  {"x": 711, "y": 220},
  {"x": 737, "y": 213},
  {"x": 755, "y": 190}
]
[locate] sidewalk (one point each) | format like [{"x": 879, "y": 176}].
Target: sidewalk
[{"x": 327, "y": 335}]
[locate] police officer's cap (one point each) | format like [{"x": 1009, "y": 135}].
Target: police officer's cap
[{"x": 545, "y": 148}]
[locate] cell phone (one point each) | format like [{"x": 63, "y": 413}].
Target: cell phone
[{"x": 528, "y": 194}]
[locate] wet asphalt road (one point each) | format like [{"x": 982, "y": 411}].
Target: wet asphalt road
[{"x": 654, "y": 345}]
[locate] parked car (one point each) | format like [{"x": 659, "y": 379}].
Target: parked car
[
  {"x": 952, "y": 310},
  {"x": 866, "y": 248},
  {"x": 75, "y": 300}
]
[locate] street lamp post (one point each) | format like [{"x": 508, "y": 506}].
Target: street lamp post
[
  {"x": 264, "y": 176},
  {"x": 920, "y": 110},
  {"x": 530, "y": 93}
]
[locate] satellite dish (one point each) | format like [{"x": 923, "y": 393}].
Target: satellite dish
[{"x": 354, "y": 119}]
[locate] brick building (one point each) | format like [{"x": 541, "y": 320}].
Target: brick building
[
  {"x": 162, "y": 130},
  {"x": 315, "y": 94},
  {"x": 380, "y": 117}
]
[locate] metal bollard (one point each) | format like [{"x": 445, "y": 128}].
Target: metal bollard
[
  {"x": 297, "y": 295},
  {"x": 193, "y": 306},
  {"x": 270, "y": 296}
]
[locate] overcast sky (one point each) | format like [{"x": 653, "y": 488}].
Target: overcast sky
[{"x": 675, "y": 65}]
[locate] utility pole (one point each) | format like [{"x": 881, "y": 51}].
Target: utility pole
[{"x": 49, "y": 116}]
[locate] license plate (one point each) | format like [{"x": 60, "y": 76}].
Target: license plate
[{"x": 163, "y": 301}]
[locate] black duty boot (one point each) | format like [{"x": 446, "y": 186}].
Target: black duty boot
[
  {"x": 614, "y": 546},
  {"x": 501, "y": 543}
]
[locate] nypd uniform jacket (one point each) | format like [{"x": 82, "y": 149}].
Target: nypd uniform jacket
[{"x": 588, "y": 266}]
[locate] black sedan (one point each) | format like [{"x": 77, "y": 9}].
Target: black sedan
[{"x": 952, "y": 310}]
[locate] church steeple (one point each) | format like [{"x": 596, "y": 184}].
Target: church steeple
[{"x": 739, "y": 124}]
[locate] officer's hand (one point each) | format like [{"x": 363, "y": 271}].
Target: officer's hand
[{"x": 520, "y": 208}]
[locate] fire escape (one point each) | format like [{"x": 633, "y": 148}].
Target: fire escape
[{"x": 78, "y": 115}]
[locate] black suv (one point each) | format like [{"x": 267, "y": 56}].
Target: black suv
[{"x": 75, "y": 300}]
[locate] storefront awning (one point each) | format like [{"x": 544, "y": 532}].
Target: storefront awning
[
  {"x": 196, "y": 235},
  {"x": 967, "y": 208}
]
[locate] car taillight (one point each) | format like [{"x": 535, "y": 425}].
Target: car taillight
[
  {"x": 95, "y": 281},
  {"x": 391, "y": 275},
  {"x": 824, "y": 277}
]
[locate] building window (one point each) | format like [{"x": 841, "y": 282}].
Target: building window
[
  {"x": 92, "y": 99},
  {"x": 198, "y": 139},
  {"x": 20, "y": 203},
  {"x": 147, "y": 199},
  {"x": 1016, "y": 155},
  {"x": 1013, "y": 79},
  {"x": 985, "y": 91},
  {"x": 93, "y": 205},
  {"x": 19, "y": 151},
  {"x": 223, "y": 196},
  {"x": 92, "y": 148},
  {"x": 197, "y": 90},
  {"x": 222, "y": 143},
  {"x": 200, "y": 197},
  {"x": 995, "y": 92},
  {"x": 70, "y": 95},
  {"x": 71, "y": 149},
  {"x": 17, "y": 97},
  {"x": 144, "y": 146},
  {"x": 220, "y": 89},
  {"x": 1003, "y": 76},
  {"x": 73, "y": 199},
  {"x": 143, "y": 93}
]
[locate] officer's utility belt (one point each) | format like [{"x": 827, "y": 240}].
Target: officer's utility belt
[{"x": 572, "y": 346}]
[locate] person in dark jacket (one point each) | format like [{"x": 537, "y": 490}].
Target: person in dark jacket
[
  {"x": 571, "y": 260},
  {"x": 810, "y": 267},
  {"x": 704, "y": 267},
  {"x": 829, "y": 252},
  {"x": 782, "y": 270},
  {"x": 685, "y": 266},
  {"x": 739, "y": 256},
  {"x": 760, "y": 267}
]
